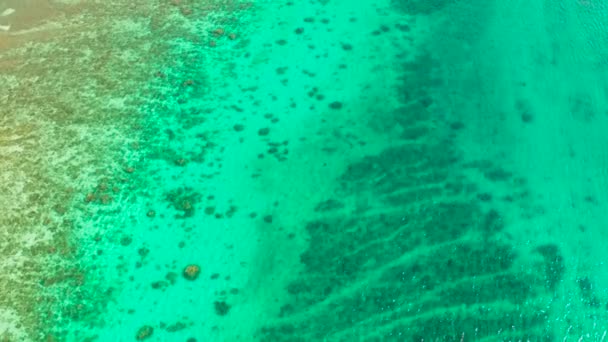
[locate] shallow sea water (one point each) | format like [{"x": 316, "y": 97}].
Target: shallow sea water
[{"x": 326, "y": 170}]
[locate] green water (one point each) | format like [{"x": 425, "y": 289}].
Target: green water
[{"x": 331, "y": 170}]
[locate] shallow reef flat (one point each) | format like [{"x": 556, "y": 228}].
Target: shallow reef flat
[{"x": 75, "y": 79}]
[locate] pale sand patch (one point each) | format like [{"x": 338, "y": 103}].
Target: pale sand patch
[
  {"x": 26, "y": 21},
  {"x": 9, "y": 324},
  {"x": 7, "y": 12},
  {"x": 25, "y": 16},
  {"x": 28, "y": 13}
]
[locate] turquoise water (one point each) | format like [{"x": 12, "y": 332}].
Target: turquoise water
[{"x": 329, "y": 170}]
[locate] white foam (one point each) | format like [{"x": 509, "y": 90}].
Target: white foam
[{"x": 5, "y": 27}]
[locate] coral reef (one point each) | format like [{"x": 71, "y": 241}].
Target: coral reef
[{"x": 191, "y": 272}]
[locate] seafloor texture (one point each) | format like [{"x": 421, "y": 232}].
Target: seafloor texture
[{"x": 324, "y": 170}]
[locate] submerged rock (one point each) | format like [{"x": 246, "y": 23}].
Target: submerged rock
[
  {"x": 144, "y": 332},
  {"x": 221, "y": 308},
  {"x": 191, "y": 272}
]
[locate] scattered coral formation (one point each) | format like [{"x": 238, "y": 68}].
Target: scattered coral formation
[
  {"x": 144, "y": 333},
  {"x": 191, "y": 272},
  {"x": 184, "y": 200}
]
